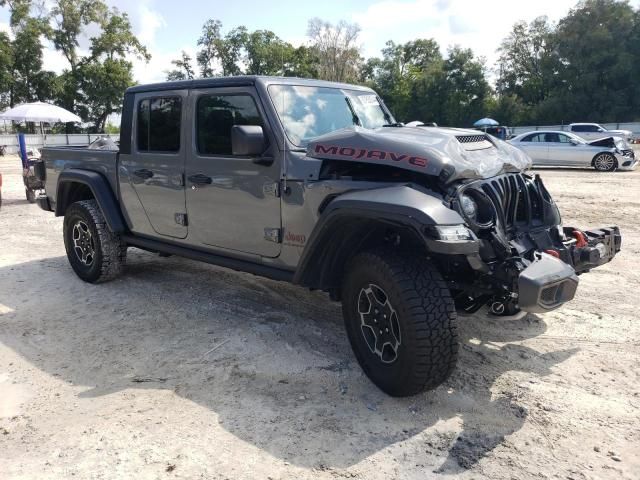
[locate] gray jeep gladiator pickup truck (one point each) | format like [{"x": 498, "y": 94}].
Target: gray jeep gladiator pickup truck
[{"x": 315, "y": 183}]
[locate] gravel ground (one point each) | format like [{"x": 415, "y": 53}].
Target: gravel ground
[{"x": 184, "y": 370}]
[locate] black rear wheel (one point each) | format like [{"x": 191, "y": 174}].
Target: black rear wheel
[
  {"x": 401, "y": 321},
  {"x": 95, "y": 253}
]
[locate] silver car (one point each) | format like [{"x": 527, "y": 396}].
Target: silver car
[{"x": 556, "y": 148}]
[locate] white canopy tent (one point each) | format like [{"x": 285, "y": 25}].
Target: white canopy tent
[{"x": 39, "y": 112}]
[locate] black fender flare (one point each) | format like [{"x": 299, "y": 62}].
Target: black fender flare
[
  {"x": 101, "y": 190},
  {"x": 339, "y": 227}
]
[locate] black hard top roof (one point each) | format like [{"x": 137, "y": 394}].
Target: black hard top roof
[{"x": 240, "y": 81}]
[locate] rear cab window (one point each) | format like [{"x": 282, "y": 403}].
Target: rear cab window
[{"x": 158, "y": 124}]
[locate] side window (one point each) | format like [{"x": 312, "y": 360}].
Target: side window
[
  {"x": 578, "y": 128},
  {"x": 563, "y": 138},
  {"x": 551, "y": 137},
  {"x": 159, "y": 124},
  {"x": 216, "y": 115},
  {"x": 536, "y": 137}
]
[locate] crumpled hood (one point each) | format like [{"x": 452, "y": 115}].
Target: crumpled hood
[{"x": 460, "y": 154}]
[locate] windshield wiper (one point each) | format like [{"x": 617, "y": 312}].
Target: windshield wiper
[
  {"x": 354, "y": 115},
  {"x": 396, "y": 124}
]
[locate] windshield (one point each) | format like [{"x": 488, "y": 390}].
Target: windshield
[{"x": 308, "y": 112}]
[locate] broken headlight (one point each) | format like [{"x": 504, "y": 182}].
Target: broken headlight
[{"x": 476, "y": 208}]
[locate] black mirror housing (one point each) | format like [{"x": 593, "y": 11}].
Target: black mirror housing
[{"x": 247, "y": 140}]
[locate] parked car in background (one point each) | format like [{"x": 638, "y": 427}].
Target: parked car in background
[
  {"x": 592, "y": 131},
  {"x": 0, "y": 190},
  {"x": 499, "y": 131},
  {"x": 564, "y": 149}
]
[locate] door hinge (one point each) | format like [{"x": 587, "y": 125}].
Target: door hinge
[
  {"x": 273, "y": 235},
  {"x": 181, "y": 219}
]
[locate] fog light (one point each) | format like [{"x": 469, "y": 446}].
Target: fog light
[{"x": 453, "y": 232}]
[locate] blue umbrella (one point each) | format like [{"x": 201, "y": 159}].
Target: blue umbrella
[{"x": 486, "y": 122}]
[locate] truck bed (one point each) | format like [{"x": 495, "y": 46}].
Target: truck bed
[{"x": 57, "y": 159}]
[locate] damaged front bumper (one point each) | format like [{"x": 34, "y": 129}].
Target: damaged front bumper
[
  {"x": 549, "y": 282},
  {"x": 551, "y": 279},
  {"x": 520, "y": 256}
]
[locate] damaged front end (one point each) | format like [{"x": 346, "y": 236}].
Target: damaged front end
[{"x": 524, "y": 259}]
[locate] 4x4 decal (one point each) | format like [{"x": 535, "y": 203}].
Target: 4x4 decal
[{"x": 358, "y": 153}]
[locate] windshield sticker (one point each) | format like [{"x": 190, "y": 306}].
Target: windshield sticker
[
  {"x": 368, "y": 100},
  {"x": 358, "y": 153}
]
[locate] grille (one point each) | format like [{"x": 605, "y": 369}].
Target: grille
[{"x": 519, "y": 200}]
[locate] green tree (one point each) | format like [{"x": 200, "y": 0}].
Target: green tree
[
  {"x": 71, "y": 17},
  {"x": 106, "y": 73},
  {"x": 395, "y": 74},
  {"x": 215, "y": 49},
  {"x": 93, "y": 84},
  {"x": 6, "y": 70},
  {"x": 301, "y": 62},
  {"x": 266, "y": 53},
  {"x": 597, "y": 46},
  {"x": 528, "y": 65},
  {"x": 455, "y": 94},
  {"x": 21, "y": 76},
  {"x": 184, "y": 68}
]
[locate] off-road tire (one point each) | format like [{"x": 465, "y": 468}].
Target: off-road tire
[
  {"x": 30, "y": 194},
  {"x": 600, "y": 168},
  {"x": 426, "y": 316},
  {"x": 109, "y": 250}
]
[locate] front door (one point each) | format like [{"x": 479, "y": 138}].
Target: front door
[
  {"x": 232, "y": 201},
  {"x": 562, "y": 151},
  {"x": 155, "y": 166}
]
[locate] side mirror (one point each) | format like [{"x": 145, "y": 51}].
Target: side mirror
[
  {"x": 573, "y": 141},
  {"x": 247, "y": 140}
]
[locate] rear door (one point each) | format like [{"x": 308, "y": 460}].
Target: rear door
[
  {"x": 155, "y": 166},
  {"x": 536, "y": 147},
  {"x": 233, "y": 201}
]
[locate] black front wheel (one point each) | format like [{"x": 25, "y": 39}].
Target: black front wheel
[
  {"x": 95, "y": 253},
  {"x": 401, "y": 321}
]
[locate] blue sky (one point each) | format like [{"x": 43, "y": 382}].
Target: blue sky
[{"x": 168, "y": 26}]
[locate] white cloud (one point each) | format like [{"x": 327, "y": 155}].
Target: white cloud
[
  {"x": 160, "y": 63},
  {"x": 477, "y": 25},
  {"x": 149, "y": 22},
  {"x": 4, "y": 27}
]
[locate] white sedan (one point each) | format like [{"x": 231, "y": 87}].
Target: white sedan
[{"x": 565, "y": 149}]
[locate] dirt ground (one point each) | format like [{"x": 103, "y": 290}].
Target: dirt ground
[{"x": 184, "y": 370}]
